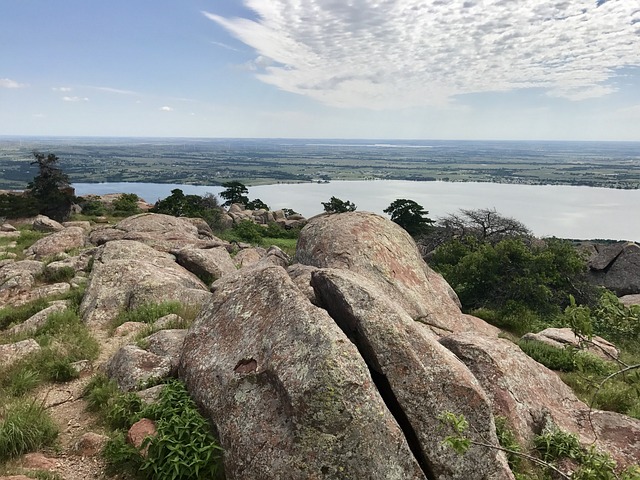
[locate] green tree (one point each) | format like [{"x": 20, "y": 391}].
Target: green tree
[
  {"x": 126, "y": 204},
  {"x": 514, "y": 275},
  {"x": 180, "y": 205},
  {"x": 235, "y": 192},
  {"x": 257, "y": 204},
  {"x": 51, "y": 187},
  {"x": 335, "y": 205},
  {"x": 409, "y": 215}
]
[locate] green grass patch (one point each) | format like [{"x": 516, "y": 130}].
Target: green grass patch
[
  {"x": 11, "y": 315},
  {"x": 57, "y": 275},
  {"x": 24, "y": 427},
  {"x": 64, "y": 339},
  {"x": 150, "y": 312}
]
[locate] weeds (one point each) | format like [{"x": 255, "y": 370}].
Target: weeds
[
  {"x": 184, "y": 447},
  {"x": 24, "y": 428},
  {"x": 148, "y": 313}
]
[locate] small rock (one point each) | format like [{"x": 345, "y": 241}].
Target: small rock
[
  {"x": 7, "y": 227},
  {"x": 14, "y": 352},
  {"x": 90, "y": 444},
  {"x": 37, "y": 461},
  {"x": 560, "y": 337},
  {"x": 128, "y": 328},
  {"x": 150, "y": 395},
  {"x": 131, "y": 367},
  {"x": 168, "y": 321},
  {"x": 81, "y": 366},
  {"x": 140, "y": 430}
]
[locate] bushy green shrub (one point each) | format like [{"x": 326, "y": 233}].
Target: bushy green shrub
[
  {"x": 248, "y": 231},
  {"x": 126, "y": 204},
  {"x": 180, "y": 205},
  {"x": 10, "y": 315},
  {"x": 184, "y": 447}
]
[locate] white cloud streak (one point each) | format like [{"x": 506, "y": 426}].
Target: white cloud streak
[
  {"x": 166, "y": 109},
  {"x": 400, "y": 53},
  {"x": 62, "y": 89},
  {"x": 75, "y": 99},
  {"x": 8, "y": 83}
]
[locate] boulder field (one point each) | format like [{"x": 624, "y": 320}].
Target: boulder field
[{"x": 335, "y": 364}]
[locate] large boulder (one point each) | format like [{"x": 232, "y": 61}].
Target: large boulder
[
  {"x": 287, "y": 391},
  {"x": 163, "y": 232},
  {"x": 17, "y": 278},
  {"x": 58, "y": 242},
  {"x": 383, "y": 252},
  {"x": 132, "y": 368},
  {"x": 531, "y": 397},
  {"x": 42, "y": 223},
  {"x": 211, "y": 263},
  {"x": 127, "y": 274},
  {"x": 412, "y": 368},
  {"x": 617, "y": 267}
]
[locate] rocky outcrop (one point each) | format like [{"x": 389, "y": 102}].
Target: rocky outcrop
[
  {"x": 127, "y": 274},
  {"x": 413, "y": 370},
  {"x": 288, "y": 392},
  {"x": 17, "y": 278},
  {"x": 531, "y": 396},
  {"x": 162, "y": 232},
  {"x": 167, "y": 344},
  {"x": 616, "y": 267},
  {"x": 58, "y": 242},
  {"x": 386, "y": 254}
]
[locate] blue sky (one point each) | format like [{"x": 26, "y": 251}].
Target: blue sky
[{"x": 422, "y": 69}]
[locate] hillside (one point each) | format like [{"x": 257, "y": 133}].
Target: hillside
[{"x": 353, "y": 359}]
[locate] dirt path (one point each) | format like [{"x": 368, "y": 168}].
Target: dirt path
[{"x": 68, "y": 409}]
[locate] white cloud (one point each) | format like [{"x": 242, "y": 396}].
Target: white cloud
[
  {"x": 225, "y": 46},
  {"x": 8, "y": 83},
  {"x": 118, "y": 91},
  {"x": 62, "y": 89},
  {"x": 401, "y": 53},
  {"x": 75, "y": 99},
  {"x": 166, "y": 109}
]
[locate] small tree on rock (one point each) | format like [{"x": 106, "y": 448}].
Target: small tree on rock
[
  {"x": 235, "y": 192},
  {"x": 335, "y": 205},
  {"x": 409, "y": 215},
  {"x": 51, "y": 188}
]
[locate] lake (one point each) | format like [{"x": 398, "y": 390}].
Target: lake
[{"x": 548, "y": 210}]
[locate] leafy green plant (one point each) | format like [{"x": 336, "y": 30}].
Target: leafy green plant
[
  {"x": 248, "y": 231},
  {"x": 24, "y": 427},
  {"x": 23, "y": 381},
  {"x": 123, "y": 410},
  {"x": 184, "y": 447},
  {"x": 561, "y": 359},
  {"x": 126, "y": 204},
  {"x": 507, "y": 439}
]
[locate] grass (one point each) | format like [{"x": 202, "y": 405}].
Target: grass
[
  {"x": 24, "y": 427},
  {"x": 11, "y": 315},
  {"x": 150, "y": 312},
  {"x": 64, "y": 339},
  {"x": 27, "y": 238}
]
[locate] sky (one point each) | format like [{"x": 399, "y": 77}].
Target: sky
[{"x": 379, "y": 69}]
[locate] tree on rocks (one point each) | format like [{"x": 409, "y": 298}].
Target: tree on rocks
[
  {"x": 235, "y": 192},
  {"x": 51, "y": 188},
  {"x": 409, "y": 215},
  {"x": 335, "y": 205}
]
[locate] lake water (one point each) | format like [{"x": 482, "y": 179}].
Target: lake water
[{"x": 548, "y": 210}]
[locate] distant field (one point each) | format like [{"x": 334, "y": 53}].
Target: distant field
[{"x": 268, "y": 161}]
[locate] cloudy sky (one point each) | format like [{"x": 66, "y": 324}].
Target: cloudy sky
[{"x": 421, "y": 69}]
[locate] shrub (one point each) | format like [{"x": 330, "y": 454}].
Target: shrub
[
  {"x": 248, "y": 231},
  {"x": 57, "y": 275},
  {"x": 126, "y": 204},
  {"x": 184, "y": 447},
  {"x": 24, "y": 427}
]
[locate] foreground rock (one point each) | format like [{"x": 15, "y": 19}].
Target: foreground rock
[
  {"x": 288, "y": 392},
  {"x": 530, "y": 396},
  {"x": 128, "y": 274},
  {"x": 14, "y": 352},
  {"x": 383, "y": 252},
  {"x": 210, "y": 263},
  {"x": 411, "y": 368}
]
